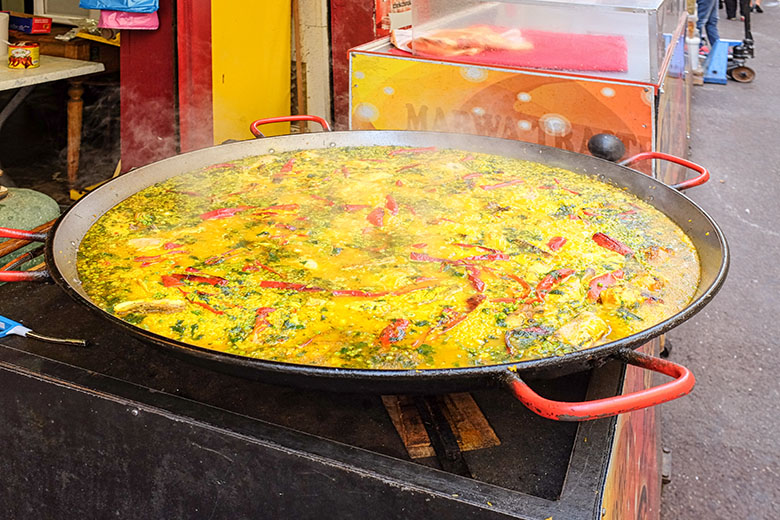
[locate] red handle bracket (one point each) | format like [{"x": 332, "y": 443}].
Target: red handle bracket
[
  {"x": 704, "y": 174},
  {"x": 284, "y": 119},
  {"x": 21, "y": 234},
  {"x": 585, "y": 411},
  {"x": 23, "y": 276}
]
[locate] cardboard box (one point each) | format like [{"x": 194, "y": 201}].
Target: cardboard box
[{"x": 28, "y": 23}]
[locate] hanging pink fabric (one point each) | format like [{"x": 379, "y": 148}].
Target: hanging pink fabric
[{"x": 127, "y": 20}]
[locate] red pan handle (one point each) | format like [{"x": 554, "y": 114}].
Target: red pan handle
[
  {"x": 704, "y": 174},
  {"x": 585, "y": 411},
  {"x": 284, "y": 119},
  {"x": 23, "y": 276}
]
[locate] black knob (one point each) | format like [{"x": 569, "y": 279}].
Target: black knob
[{"x": 606, "y": 146}]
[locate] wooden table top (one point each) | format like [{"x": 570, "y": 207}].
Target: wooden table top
[{"x": 52, "y": 68}]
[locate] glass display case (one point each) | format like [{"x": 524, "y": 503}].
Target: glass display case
[{"x": 623, "y": 39}]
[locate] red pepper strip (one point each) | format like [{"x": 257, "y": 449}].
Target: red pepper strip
[
  {"x": 345, "y": 171},
  {"x": 411, "y": 150},
  {"x": 488, "y": 258},
  {"x": 423, "y": 257},
  {"x": 419, "y": 341},
  {"x": 502, "y": 184},
  {"x": 287, "y": 285},
  {"x": 308, "y": 341},
  {"x": 468, "y": 157},
  {"x": 565, "y": 189},
  {"x": 323, "y": 199},
  {"x": 610, "y": 243},
  {"x": 355, "y": 207},
  {"x": 590, "y": 213},
  {"x": 248, "y": 188},
  {"x": 391, "y": 205},
  {"x": 376, "y": 217},
  {"x": 223, "y": 212},
  {"x": 419, "y": 245},
  {"x": 421, "y": 283},
  {"x": 477, "y": 246},
  {"x": 503, "y": 300},
  {"x": 203, "y": 278},
  {"x": 221, "y": 257},
  {"x": 201, "y": 304},
  {"x": 171, "y": 245},
  {"x": 261, "y": 319},
  {"x": 256, "y": 266},
  {"x": 456, "y": 317},
  {"x": 626, "y": 213},
  {"x": 170, "y": 281},
  {"x": 553, "y": 278},
  {"x": 206, "y": 306},
  {"x": 473, "y": 276},
  {"x": 599, "y": 283},
  {"x": 288, "y": 166},
  {"x": 522, "y": 282},
  {"x": 408, "y": 167},
  {"x": 192, "y": 270},
  {"x": 399, "y": 183},
  {"x": 556, "y": 243},
  {"x": 152, "y": 262},
  {"x": 362, "y": 294},
  {"x": 471, "y": 176},
  {"x": 393, "y": 333}
]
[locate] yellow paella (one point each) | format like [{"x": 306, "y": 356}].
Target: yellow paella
[{"x": 388, "y": 258}]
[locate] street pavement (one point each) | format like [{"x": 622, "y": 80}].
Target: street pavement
[{"x": 724, "y": 436}]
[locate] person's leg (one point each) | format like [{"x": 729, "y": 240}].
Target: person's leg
[
  {"x": 709, "y": 18},
  {"x": 731, "y": 9},
  {"x": 702, "y": 7}
]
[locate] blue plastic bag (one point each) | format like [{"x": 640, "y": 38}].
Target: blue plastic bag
[{"x": 130, "y": 6}]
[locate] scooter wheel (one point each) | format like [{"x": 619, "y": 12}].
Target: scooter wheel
[{"x": 742, "y": 74}]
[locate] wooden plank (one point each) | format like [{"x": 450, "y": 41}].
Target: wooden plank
[
  {"x": 409, "y": 425},
  {"x": 468, "y": 423}
]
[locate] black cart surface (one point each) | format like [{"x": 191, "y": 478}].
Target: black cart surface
[{"x": 122, "y": 429}]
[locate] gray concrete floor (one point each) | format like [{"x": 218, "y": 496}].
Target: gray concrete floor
[{"x": 724, "y": 436}]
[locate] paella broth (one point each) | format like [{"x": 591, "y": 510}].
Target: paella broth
[{"x": 388, "y": 257}]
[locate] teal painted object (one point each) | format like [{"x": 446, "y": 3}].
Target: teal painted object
[
  {"x": 25, "y": 209},
  {"x": 716, "y": 64}
]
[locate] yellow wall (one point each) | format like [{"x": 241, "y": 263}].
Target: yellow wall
[{"x": 250, "y": 51}]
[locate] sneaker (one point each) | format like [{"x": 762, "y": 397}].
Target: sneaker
[{"x": 757, "y": 8}]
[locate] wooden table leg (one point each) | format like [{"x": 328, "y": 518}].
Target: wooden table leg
[{"x": 75, "y": 106}]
